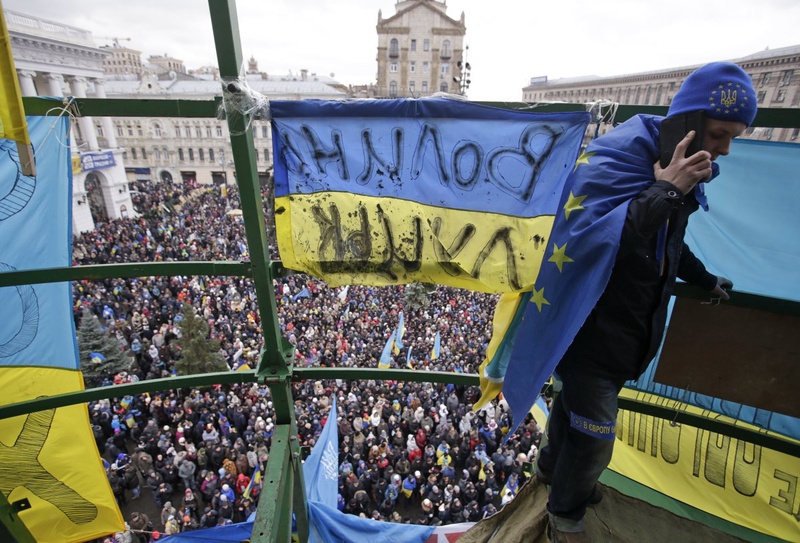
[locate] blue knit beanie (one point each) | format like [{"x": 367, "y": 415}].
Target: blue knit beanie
[{"x": 722, "y": 89}]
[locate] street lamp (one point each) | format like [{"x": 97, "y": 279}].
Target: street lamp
[{"x": 463, "y": 79}]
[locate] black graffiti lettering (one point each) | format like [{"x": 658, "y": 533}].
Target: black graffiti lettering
[
  {"x": 502, "y": 235},
  {"x": 671, "y": 443},
  {"x": 786, "y": 498},
  {"x": 716, "y": 460},
  {"x": 359, "y": 242},
  {"x": 445, "y": 256},
  {"x": 391, "y": 254},
  {"x": 430, "y": 133},
  {"x": 641, "y": 438},
  {"x": 372, "y": 161},
  {"x": 291, "y": 158},
  {"x": 323, "y": 156},
  {"x": 746, "y": 466},
  {"x": 524, "y": 189},
  {"x": 461, "y": 154},
  {"x": 20, "y": 466},
  {"x": 330, "y": 231}
]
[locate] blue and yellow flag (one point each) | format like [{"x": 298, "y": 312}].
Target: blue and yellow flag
[
  {"x": 49, "y": 457},
  {"x": 437, "y": 346},
  {"x": 386, "y": 355},
  {"x": 433, "y": 190},
  {"x": 13, "y": 124},
  {"x": 576, "y": 266},
  {"x": 409, "y": 365},
  {"x": 401, "y": 329},
  {"x": 254, "y": 484}
]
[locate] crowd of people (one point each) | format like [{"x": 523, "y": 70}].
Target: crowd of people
[{"x": 409, "y": 452}]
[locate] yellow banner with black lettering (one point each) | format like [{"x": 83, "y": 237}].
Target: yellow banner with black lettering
[
  {"x": 50, "y": 458},
  {"x": 434, "y": 190},
  {"x": 343, "y": 238},
  {"x": 737, "y": 481}
]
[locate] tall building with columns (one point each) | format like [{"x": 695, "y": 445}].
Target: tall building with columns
[
  {"x": 419, "y": 49},
  {"x": 53, "y": 59}
]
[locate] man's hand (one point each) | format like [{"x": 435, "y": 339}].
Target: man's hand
[
  {"x": 685, "y": 172},
  {"x": 723, "y": 284}
]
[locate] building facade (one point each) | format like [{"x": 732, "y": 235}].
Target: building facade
[
  {"x": 53, "y": 59},
  {"x": 775, "y": 74},
  {"x": 419, "y": 49}
]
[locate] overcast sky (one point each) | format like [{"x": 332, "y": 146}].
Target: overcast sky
[{"x": 510, "y": 41}]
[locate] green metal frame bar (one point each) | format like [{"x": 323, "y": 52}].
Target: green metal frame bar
[{"x": 283, "y": 489}]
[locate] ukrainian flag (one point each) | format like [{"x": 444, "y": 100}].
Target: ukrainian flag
[
  {"x": 434, "y": 190},
  {"x": 48, "y": 457}
]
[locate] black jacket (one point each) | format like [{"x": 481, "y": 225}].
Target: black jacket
[{"x": 624, "y": 330}]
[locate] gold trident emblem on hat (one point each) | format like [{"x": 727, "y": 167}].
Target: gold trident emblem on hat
[{"x": 728, "y": 98}]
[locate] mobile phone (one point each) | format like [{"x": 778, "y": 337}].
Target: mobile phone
[{"x": 674, "y": 129}]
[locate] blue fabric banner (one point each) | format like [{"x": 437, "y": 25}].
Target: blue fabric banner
[{"x": 321, "y": 468}]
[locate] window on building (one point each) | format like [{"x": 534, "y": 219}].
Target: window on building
[
  {"x": 157, "y": 154},
  {"x": 120, "y": 131},
  {"x": 446, "y": 49},
  {"x": 393, "y": 67},
  {"x": 445, "y": 68},
  {"x": 133, "y": 153},
  {"x": 765, "y": 78},
  {"x": 424, "y": 86},
  {"x": 191, "y": 155},
  {"x": 393, "y": 89},
  {"x": 426, "y": 45},
  {"x": 219, "y": 131},
  {"x": 208, "y": 131},
  {"x": 124, "y": 155},
  {"x": 198, "y": 132},
  {"x": 394, "y": 48},
  {"x": 99, "y": 130},
  {"x": 130, "y": 130},
  {"x": 443, "y": 86},
  {"x": 781, "y": 96},
  {"x": 144, "y": 153},
  {"x": 201, "y": 155},
  {"x": 177, "y": 131},
  {"x": 426, "y": 67},
  {"x": 266, "y": 155},
  {"x": 264, "y": 131},
  {"x": 187, "y": 132},
  {"x": 157, "y": 130},
  {"x": 761, "y": 96},
  {"x": 180, "y": 154},
  {"x": 165, "y": 154},
  {"x": 659, "y": 95},
  {"x": 786, "y": 79},
  {"x": 211, "y": 155},
  {"x": 255, "y": 132},
  {"x": 412, "y": 67},
  {"x": 413, "y": 45},
  {"x": 139, "y": 130}
]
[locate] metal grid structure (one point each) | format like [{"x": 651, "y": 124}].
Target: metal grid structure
[{"x": 283, "y": 497}]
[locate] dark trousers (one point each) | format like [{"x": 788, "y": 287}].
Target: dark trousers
[{"x": 580, "y": 441}]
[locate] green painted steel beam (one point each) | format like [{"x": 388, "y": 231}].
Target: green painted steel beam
[
  {"x": 109, "y": 271},
  {"x": 412, "y": 376},
  {"x": 274, "y": 515},
  {"x": 11, "y": 526},
  {"x": 118, "y": 391},
  {"x": 124, "y": 107}
]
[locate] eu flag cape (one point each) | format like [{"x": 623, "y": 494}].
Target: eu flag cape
[{"x": 533, "y": 330}]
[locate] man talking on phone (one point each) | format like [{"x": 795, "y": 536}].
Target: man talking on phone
[{"x": 624, "y": 329}]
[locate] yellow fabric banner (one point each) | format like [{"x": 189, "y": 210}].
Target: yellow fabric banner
[
  {"x": 50, "y": 457},
  {"x": 360, "y": 239},
  {"x": 740, "y": 482},
  {"x": 13, "y": 125}
]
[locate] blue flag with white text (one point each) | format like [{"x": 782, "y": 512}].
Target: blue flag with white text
[{"x": 321, "y": 468}]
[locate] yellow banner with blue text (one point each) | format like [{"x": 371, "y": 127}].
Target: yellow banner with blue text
[{"x": 740, "y": 482}]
